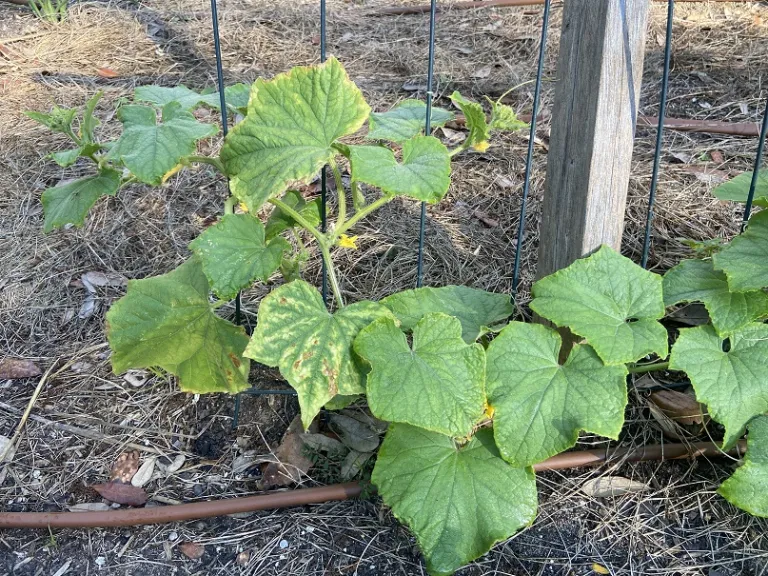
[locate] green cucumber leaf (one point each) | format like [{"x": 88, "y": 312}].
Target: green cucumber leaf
[
  {"x": 341, "y": 401},
  {"x": 745, "y": 259},
  {"x": 733, "y": 383},
  {"x": 477, "y": 310},
  {"x": 292, "y": 122},
  {"x": 279, "y": 221},
  {"x": 479, "y": 131},
  {"x": 698, "y": 281},
  {"x": 234, "y": 253},
  {"x": 504, "y": 118},
  {"x": 69, "y": 203},
  {"x": 436, "y": 384},
  {"x": 405, "y": 121},
  {"x": 610, "y": 301},
  {"x": 539, "y": 406},
  {"x": 424, "y": 174},
  {"x": 90, "y": 122},
  {"x": 65, "y": 158},
  {"x": 186, "y": 98},
  {"x": 167, "y": 322},
  {"x": 737, "y": 190},
  {"x": 458, "y": 501},
  {"x": 58, "y": 119},
  {"x": 311, "y": 346},
  {"x": 237, "y": 96},
  {"x": 748, "y": 487},
  {"x": 150, "y": 150}
]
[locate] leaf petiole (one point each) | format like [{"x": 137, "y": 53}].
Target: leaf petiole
[
  {"x": 340, "y": 192},
  {"x": 215, "y": 162},
  {"x": 373, "y": 206}
]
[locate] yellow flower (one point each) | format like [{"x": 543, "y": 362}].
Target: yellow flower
[
  {"x": 243, "y": 207},
  {"x": 489, "y": 411},
  {"x": 348, "y": 242},
  {"x": 481, "y": 146}
]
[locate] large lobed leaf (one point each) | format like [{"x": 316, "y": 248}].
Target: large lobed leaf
[
  {"x": 437, "y": 383},
  {"x": 236, "y": 96},
  {"x": 234, "y": 252},
  {"x": 748, "y": 487},
  {"x": 286, "y": 137},
  {"x": 167, "y": 322},
  {"x": 745, "y": 259},
  {"x": 540, "y": 406},
  {"x": 477, "y": 310},
  {"x": 151, "y": 150},
  {"x": 458, "y": 501},
  {"x": 730, "y": 377},
  {"x": 311, "y": 346},
  {"x": 70, "y": 202},
  {"x": 610, "y": 301},
  {"x": 424, "y": 174},
  {"x": 405, "y": 121},
  {"x": 737, "y": 190},
  {"x": 698, "y": 281}
]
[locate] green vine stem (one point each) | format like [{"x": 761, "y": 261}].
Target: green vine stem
[
  {"x": 643, "y": 368},
  {"x": 373, "y": 206},
  {"x": 211, "y": 161},
  {"x": 340, "y": 192}
]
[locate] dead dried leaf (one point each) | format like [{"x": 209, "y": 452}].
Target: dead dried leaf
[
  {"x": 600, "y": 569},
  {"x": 353, "y": 433},
  {"x": 5, "y": 444},
  {"x": 353, "y": 464},
  {"x": 107, "y": 73},
  {"x": 717, "y": 156},
  {"x": 176, "y": 464},
  {"x": 192, "y": 550},
  {"x": 126, "y": 494},
  {"x": 16, "y": 368},
  {"x": 125, "y": 467},
  {"x": 323, "y": 443},
  {"x": 88, "y": 307},
  {"x": 645, "y": 381},
  {"x": 609, "y": 486},
  {"x": 486, "y": 219},
  {"x": 291, "y": 455},
  {"x": 504, "y": 182},
  {"x": 483, "y": 72},
  {"x": 680, "y": 407},
  {"x": 136, "y": 378},
  {"x": 101, "y": 279},
  {"x": 691, "y": 315},
  {"x": 710, "y": 177},
  {"x": 669, "y": 427},
  {"x": 144, "y": 473},
  {"x": 89, "y": 507}
]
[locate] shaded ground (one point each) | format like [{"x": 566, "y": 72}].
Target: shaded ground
[{"x": 679, "y": 527}]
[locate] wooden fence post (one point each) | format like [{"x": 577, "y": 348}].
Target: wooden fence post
[{"x": 599, "y": 72}]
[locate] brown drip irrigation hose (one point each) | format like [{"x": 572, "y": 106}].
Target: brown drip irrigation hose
[
  {"x": 421, "y": 9},
  {"x": 302, "y": 497}
]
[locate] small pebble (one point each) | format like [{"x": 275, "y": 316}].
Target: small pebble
[
  {"x": 283, "y": 544},
  {"x": 100, "y": 561},
  {"x": 173, "y": 536}
]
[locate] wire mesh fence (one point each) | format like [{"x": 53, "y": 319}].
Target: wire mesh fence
[{"x": 660, "y": 125}]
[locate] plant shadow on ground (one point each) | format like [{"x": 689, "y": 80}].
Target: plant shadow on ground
[{"x": 680, "y": 526}]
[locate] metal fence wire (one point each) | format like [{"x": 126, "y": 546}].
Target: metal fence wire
[{"x": 647, "y": 241}]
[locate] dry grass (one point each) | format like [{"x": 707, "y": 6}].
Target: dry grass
[{"x": 680, "y": 527}]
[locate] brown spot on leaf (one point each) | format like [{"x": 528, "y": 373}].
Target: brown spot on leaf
[
  {"x": 235, "y": 360},
  {"x": 282, "y": 300},
  {"x": 332, "y": 376}
]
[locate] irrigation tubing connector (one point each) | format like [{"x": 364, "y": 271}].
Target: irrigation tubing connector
[{"x": 336, "y": 492}]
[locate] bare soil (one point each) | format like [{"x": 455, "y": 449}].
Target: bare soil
[{"x": 678, "y": 527}]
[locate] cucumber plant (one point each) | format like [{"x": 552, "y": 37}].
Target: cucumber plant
[{"x": 473, "y": 400}]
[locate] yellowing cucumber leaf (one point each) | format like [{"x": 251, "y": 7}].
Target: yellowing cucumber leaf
[
  {"x": 610, "y": 301},
  {"x": 745, "y": 259},
  {"x": 436, "y": 384},
  {"x": 728, "y": 376},
  {"x": 311, "y": 346},
  {"x": 424, "y": 174},
  {"x": 167, "y": 322},
  {"x": 279, "y": 221},
  {"x": 479, "y": 131},
  {"x": 186, "y": 98},
  {"x": 504, "y": 118},
  {"x": 234, "y": 253},
  {"x": 458, "y": 501},
  {"x": 748, "y": 487},
  {"x": 477, "y": 310},
  {"x": 69, "y": 203},
  {"x": 539, "y": 405},
  {"x": 150, "y": 150},
  {"x": 737, "y": 190},
  {"x": 405, "y": 121},
  {"x": 698, "y": 281},
  {"x": 286, "y": 137}
]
